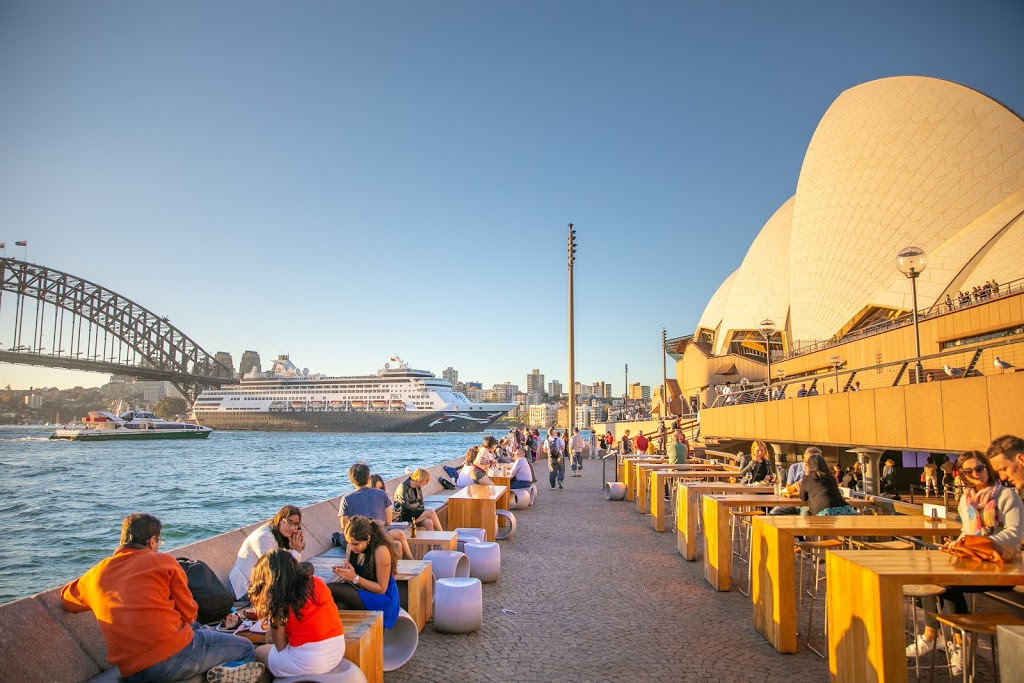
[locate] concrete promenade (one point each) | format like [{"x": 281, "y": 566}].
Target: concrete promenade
[{"x": 600, "y": 596}]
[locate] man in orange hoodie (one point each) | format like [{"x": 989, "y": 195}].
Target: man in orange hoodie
[{"x": 147, "y": 616}]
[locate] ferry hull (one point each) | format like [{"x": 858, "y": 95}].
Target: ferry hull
[
  {"x": 350, "y": 421},
  {"x": 128, "y": 436}
]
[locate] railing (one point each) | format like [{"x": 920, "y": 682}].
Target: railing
[
  {"x": 960, "y": 360},
  {"x": 941, "y": 308}
]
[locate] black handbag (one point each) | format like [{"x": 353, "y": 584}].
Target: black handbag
[{"x": 213, "y": 597}]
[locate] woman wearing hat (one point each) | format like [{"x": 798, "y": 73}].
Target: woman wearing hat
[{"x": 887, "y": 474}]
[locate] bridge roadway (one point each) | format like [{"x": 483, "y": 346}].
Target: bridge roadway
[{"x": 599, "y": 596}]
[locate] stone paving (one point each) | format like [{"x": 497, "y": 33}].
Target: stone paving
[{"x": 598, "y": 595}]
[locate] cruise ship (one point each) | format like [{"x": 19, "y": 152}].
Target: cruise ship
[{"x": 396, "y": 399}]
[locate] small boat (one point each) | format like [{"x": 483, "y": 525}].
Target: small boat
[
  {"x": 336, "y": 405},
  {"x": 358, "y": 404},
  {"x": 316, "y": 405},
  {"x": 277, "y": 406},
  {"x": 135, "y": 424},
  {"x": 379, "y": 404},
  {"x": 398, "y": 404},
  {"x": 298, "y": 405}
]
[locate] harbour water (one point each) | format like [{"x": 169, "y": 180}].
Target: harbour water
[{"x": 61, "y": 503}]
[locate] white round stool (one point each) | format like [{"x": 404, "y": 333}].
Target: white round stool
[
  {"x": 400, "y": 641},
  {"x": 484, "y": 561},
  {"x": 447, "y": 564},
  {"x": 508, "y": 530},
  {"x": 458, "y": 605},
  {"x": 520, "y": 499},
  {"x": 614, "y": 490},
  {"x": 345, "y": 672},
  {"x": 469, "y": 535},
  {"x": 534, "y": 492}
]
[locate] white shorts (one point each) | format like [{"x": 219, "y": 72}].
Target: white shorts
[{"x": 308, "y": 659}]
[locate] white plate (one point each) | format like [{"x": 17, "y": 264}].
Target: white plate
[{"x": 257, "y": 627}]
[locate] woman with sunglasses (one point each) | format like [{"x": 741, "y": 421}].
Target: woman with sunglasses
[
  {"x": 987, "y": 508},
  {"x": 283, "y": 531}
]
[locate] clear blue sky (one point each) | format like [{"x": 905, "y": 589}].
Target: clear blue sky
[{"x": 346, "y": 181}]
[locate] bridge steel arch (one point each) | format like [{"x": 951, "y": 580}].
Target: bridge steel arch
[{"x": 162, "y": 351}]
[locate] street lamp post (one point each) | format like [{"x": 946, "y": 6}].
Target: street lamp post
[
  {"x": 664, "y": 378},
  {"x": 835, "y": 361},
  {"x": 767, "y": 330},
  {"x": 625, "y": 396},
  {"x": 911, "y": 261},
  {"x": 572, "y": 357}
]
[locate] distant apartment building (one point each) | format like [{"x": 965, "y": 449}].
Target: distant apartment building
[
  {"x": 639, "y": 393},
  {"x": 474, "y": 385},
  {"x": 535, "y": 382},
  {"x": 554, "y": 389},
  {"x": 504, "y": 393},
  {"x": 602, "y": 390},
  {"x": 583, "y": 417},
  {"x": 34, "y": 401},
  {"x": 520, "y": 398},
  {"x": 450, "y": 374},
  {"x": 598, "y": 413},
  {"x": 250, "y": 363},
  {"x": 224, "y": 358},
  {"x": 154, "y": 391},
  {"x": 543, "y": 415}
]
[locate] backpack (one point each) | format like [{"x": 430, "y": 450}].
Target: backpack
[
  {"x": 446, "y": 484},
  {"x": 553, "y": 451},
  {"x": 213, "y": 597}
]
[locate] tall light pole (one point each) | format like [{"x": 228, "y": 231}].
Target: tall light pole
[
  {"x": 911, "y": 261},
  {"x": 835, "y": 361},
  {"x": 767, "y": 330},
  {"x": 625, "y": 395},
  {"x": 664, "y": 378},
  {"x": 572, "y": 356}
]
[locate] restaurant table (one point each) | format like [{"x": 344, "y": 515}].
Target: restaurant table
[
  {"x": 627, "y": 473},
  {"x": 656, "y": 488},
  {"x": 643, "y": 470},
  {"x": 772, "y": 555},
  {"x": 426, "y": 541},
  {"x": 501, "y": 479},
  {"x": 475, "y": 506},
  {"x": 865, "y": 636},
  {"x": 688, "y": 495},
  {"x": 717, "y": 541}
]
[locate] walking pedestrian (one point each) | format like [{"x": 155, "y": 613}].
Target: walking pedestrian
[
  {"x": 577, "y": 444},
  {"x": 555, "y": 449}
]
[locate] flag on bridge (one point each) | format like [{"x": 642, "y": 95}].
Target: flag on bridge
[{"x": 23, "y": 243}]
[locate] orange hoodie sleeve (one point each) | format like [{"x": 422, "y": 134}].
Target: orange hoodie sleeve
[{"x": 71, "y": 598}]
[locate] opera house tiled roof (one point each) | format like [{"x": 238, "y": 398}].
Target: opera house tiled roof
[{"x": 894, "y": 162}]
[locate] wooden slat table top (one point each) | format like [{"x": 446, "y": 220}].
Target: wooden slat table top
[
  {"x": 760, "y": 500},
  {"x": 851, "y": 525},
  {"x": 935, "y": 566},
  {"x": 479, "y": 492},
  {"x": 726, "y": 486},
  {"x": 408, "y": 569},
  {"x": 357, "y": 623},
  {"x": 426, "y": 536}
]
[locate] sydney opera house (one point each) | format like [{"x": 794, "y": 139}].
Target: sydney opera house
[{"x": 821, "y": 304}]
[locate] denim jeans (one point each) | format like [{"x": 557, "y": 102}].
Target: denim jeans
[
  {"x": 577, "y": 461},
  {"x": 556, "y": 471},
  {"x": 207, "y": 650}
]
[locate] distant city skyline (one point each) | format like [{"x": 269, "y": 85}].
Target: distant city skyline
[{"x": 343, "y": 182}]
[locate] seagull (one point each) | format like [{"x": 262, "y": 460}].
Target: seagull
[
  {"x": 1002, "y": 364},
  {"x": 954, "y": 372}
]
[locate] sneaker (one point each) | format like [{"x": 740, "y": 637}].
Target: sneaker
[
  {"x": 921, "y": 646},
  {"x": 955, "y": 655},
  {"x": 559, "y": 484},
  {"x": 235, "y": 672}
]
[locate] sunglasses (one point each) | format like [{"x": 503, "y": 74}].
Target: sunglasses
[{"x": 974, "y": 471}]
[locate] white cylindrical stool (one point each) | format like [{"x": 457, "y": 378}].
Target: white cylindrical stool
[
  {"x": 458, "y": 605},
  {"x": 507, "y": 530},
  {"x": 400, "y": 641},
  {"x": 520, "y": 499},
  {"x": 614, "y": 490},
  {"x": 345, "y": 672},
  {"x": 533, "y": 494},
  {"x": 469, "y": 535},
  {"x": 484, "y": 561},
  {"x": 447, "y": 564}
]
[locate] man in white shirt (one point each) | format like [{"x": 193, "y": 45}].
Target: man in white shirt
[{"x": 577, "y": 445}]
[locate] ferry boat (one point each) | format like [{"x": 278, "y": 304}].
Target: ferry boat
[
  {"x": 395, "y": 399},
  {"x": 133, "y": 424}
]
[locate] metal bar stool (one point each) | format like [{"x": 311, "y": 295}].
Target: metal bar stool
[
  {"x": 976, "y": 625},
  {"x": 741, "y": 525},
  {"x": 814, "y": 552},
  {"x": 912, "y": 592}
]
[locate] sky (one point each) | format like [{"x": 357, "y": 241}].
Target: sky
[{"x": 346, "y": 181}]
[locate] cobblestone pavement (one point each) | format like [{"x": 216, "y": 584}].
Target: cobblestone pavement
[{"x": 598, "y": 595}]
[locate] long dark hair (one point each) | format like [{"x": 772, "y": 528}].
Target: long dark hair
[
  {"x": 817, "y": 467},
  {"x": 361, "y": 529},
  {"x": 980, "y": 457},
  {"x": 280, "y": 585},
  {"x": 275, "y": 524}
]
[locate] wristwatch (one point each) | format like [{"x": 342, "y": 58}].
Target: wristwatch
[{"x": 355, "y": 580}]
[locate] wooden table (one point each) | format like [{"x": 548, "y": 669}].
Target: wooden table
[
  {"x": 476, "y": 506},
  {"x": 643, "y": 470},
  {"x": 688, "y": 509},
  {"x": 627, "y": 474},
  {"x": 772, "y": 556},
  {"x": 364, "y": 641},
  {"x": 501, "y": 480},
  {"x": 416, "y": 590},
  {"x": 660, "y": 477},
  {"x": 865, "y": 636},
  {"x": 717, "y": 543},
  {"x": 426, "y": 541}
]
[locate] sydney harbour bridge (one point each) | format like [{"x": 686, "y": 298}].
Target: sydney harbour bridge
[{"x": 53, "y": 319}]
